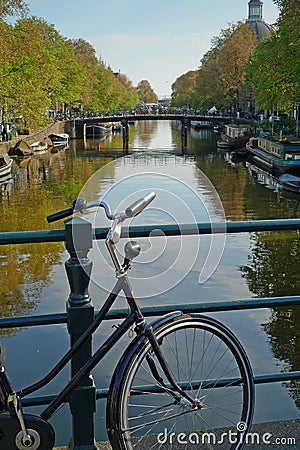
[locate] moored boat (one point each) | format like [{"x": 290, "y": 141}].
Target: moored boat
[
  {"x": 98, "y": 129},
  {"x": 5, "y": 167},
  {"x": 234, "y": 137},
  {"x": 290, "y": 182},
  {"x": 21, "y": 148},
  {"x": 39, "y": 147},
  {"x": 59, "y": 138},
  {"x": 275, "y": 155}
]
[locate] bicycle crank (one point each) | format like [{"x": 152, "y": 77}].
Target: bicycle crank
[{"x": 40, "y": 434}]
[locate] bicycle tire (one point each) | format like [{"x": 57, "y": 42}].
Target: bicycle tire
[{"x": 201, "y": 352}]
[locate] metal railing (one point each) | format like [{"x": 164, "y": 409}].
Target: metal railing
[{"x": 80, "y": 305}]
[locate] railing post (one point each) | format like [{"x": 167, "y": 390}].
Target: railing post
[
  {"x": 125, "y": 133},
  {"x": 80, "y": 314},
  {"x": 184, "y": 131}
]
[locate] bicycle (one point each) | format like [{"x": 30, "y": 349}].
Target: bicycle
[{"x": 182, "y": 378}]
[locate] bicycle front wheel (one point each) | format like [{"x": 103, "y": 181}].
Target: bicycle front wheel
[{"x": 209, "y": 364}]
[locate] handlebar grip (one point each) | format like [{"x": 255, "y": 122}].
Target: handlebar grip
[
  {"x": 60, "y": 215},
  {"x": 139, "y": 205}
]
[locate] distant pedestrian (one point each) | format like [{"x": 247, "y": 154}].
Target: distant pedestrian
[{"x": 4, "y": 133}]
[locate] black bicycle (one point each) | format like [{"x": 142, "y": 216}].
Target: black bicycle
[{"x": 184, "y": 379}]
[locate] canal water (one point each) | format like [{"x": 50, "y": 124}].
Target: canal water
[{"x": 200, "y": 184}]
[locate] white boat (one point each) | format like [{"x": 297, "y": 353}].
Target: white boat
[
  {"x": 59, "y": 138},
  {"x": 39, "y": 147},
  {"x": 5, "y": 167}
]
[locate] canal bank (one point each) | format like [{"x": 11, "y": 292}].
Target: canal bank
[{"x": 39, "y": 135}]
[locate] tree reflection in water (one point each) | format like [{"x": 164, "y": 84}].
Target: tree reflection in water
[{"x": 273, "y": 270}]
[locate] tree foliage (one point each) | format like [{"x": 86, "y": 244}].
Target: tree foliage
[
  {"x": 221, "y": 74},
  {"x": 39, "y": 68},
  {"x": 273, "y": 70},
  {"x": 13, "y": 8},
  {"x": 183, "y": 89},
  {"x": 146, "y": 93}
]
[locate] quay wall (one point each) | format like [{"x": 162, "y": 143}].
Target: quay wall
[{"x": 39, "y": 135}]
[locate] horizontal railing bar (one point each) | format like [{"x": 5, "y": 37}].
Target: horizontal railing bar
[
  {"x": 149, "y": 311},
  {"x": 31, "y": 237},
  {"x": 229, "y": 305},
  {"x": 103, "y": 393},
  {"x": 29, "y": 321}
]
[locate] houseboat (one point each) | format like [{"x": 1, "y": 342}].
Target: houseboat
[
  {"x": 275, "y": 155},
  {"x": 234, "y": 137},
  {"x": 98, "y": 129}
]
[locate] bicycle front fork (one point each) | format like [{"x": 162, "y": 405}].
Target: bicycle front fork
[{"x": 173, "y": 389}]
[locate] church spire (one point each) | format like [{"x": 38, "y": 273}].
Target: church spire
[{"x": 255, "y": 10}]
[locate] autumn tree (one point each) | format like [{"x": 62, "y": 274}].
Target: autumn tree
[
  {"x": 146, "y": 93},
  {"x": 208, "y": 90},
  {"x": 183, "y": 89},
  {"x": 221, "y": 76},
  {"x": 13, "y": 8}
]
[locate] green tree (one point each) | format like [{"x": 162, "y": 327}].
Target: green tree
[
  {"x": 273, "y": 70},
  {"x": 41, "y": 69},
  {"x": 146, "y": 93},
  {"x": 88, "y": 61}
]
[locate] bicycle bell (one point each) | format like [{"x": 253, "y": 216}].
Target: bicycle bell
[{"x": 131, "y": 250}]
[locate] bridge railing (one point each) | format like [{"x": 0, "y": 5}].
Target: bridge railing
[{"x": 80, "y": 311}]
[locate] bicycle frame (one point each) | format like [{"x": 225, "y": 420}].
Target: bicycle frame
[{"x": 134, "y": 317}]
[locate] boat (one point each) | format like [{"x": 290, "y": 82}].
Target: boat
[
  {"x": 39, "y": 146},
  {"x": 224, "y": 145},
  {"x": 238, "y": 155},
  {"x": 117, "y": 127},
  {"x": 234, "y": 137},
  {"x": 290, "y": 182},
  {"x": 59, "y": 138},
  {"x": 99, "y": 129},
  {"x": 21, "y": 148},
  {"x": 274, "y": 154},
  {"x": 5, "y": 168}
]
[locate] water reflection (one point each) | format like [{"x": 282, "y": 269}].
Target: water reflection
[
  {"x": 273, "y": 270},
  {"x": 32, "y": 278},
  {"x": 39, "y": 186}
]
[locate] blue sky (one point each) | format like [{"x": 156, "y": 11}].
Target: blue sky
[{"x": 154, "y": 40}]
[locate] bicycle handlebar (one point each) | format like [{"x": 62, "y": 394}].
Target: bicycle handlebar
[
  {"x": 80, "y": 204},
  {"x": 139, "y": 205},
  {"x": 60, "y": 215}
]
